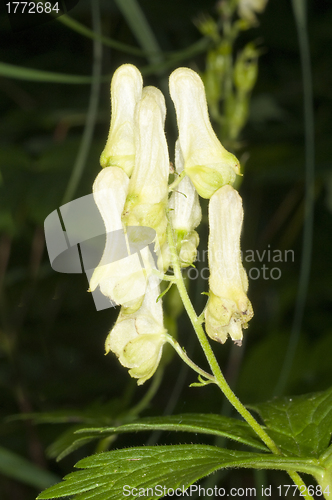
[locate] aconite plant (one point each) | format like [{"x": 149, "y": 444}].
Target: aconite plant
[{"x": 133, "y": 190}]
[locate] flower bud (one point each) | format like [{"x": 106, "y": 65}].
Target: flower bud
[
  {"x": 126, "y": 90},
  {"x": 247, "y": 9},
  {"x": 206, "y": 161},
  {"x": 246, "y": 68},
  {"x": 185, "y": 213},
  {"x": 228, "y": 309},
  {"x": 214, "y": 75},
  {"x": 148, "y": 188},
  {"x": 138, "y": 339},
  {"x": 237, "y": 111}
]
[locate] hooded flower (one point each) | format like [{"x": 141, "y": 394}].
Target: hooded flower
[
  {"x": 185, "y": 213},
  {"x": 148, "y": 188},
  {"x": 119, "y": 274},
  {"x": 228, "y": 309},
  {"x": 137, "y": 339},
  {"x": 206, "y": 161},
  {"x": 126, "y": 90}
]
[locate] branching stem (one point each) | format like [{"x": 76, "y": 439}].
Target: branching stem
[
  {"x": 187, "y": 360},
  {"x": 209, "y": 354}
]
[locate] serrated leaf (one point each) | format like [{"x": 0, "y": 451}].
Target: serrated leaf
[
  {"x": 301, "y": 425},
  {"x": 107, "y": 475},
  {"x": 216, "y": 425}
]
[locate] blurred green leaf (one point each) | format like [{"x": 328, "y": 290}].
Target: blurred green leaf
[
  {"x": 67, "y": 442},
  {"x": 17, "y": 467},
  {"x": 139, "y": 25},
  {"x": 300, "y": 426},
  {"x": 37, "y": 75},
  {"x": 94, "y": 414},
  {"x": 109, "y": 42}
]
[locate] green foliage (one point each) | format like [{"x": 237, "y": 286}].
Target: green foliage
[
  {"x": 301, "y": 426},
  {"x": 106, "y": 475},
  {"x": 216, "y": 425},
  {"x": 51, "y": 339},
  {"x": 23, "y": 470}
]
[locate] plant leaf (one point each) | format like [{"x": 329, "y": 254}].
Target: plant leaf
[
  {"x": 95, "y": 414},
  {"x": 300, "y": 426},
  {"x": 83, "y": 30},
  {"x": 36, "y": 75},
  {"x": 19, "y": 468},
  {"x": 108, "y": 474},
  {"x": 216, "y": 425},
  {"x": 66, "y": 443}
]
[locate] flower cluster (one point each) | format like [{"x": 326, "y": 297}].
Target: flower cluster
[{"x": 131, "y": 191}]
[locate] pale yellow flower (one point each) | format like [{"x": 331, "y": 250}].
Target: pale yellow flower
[
  {"x": 228, "y": 309},
  {"x": 120, "y": 276},
  {"x": 206, "y": 161},
  {"x": 137, "y": 339},
  {"x": 185, "y": 213},
  {"x": 126, "y": 91},
  {"x": 247, "y": 9},
  {"x": 148, "y": 188}
]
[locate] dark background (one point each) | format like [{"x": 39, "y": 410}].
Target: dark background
[{"x": 51, "y": 336}]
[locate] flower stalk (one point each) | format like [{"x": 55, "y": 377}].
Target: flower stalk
[
  {"x": 209, "y": 354},
  {"x": 138, "y": 185}
]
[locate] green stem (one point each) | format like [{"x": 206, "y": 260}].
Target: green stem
[
  {"x": 228, "y": 77},
  {"x": 177, "y": 181},
  {"x": 91, "y": 117},
  {"x": 300, "y": 14},
  {"x": 187, "y": 360},
  {"x": 209, "y": 354},
  {"x": 154, "y": 386},
  {"x": 220, "y": 379},
  {"x": 162, "y": 276}
]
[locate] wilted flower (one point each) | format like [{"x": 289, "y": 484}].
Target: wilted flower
[
  {"x": 206, "y": 161},
  {"x": 185, "y": 213},
  {"x": 228, "y": 309},
  {"x": 126, "y": 90},
  {"x": 137, "y": 339},
  {"x": 148, "y": 188}
]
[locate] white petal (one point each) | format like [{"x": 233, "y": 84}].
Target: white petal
[
  {"x": 126, "y": 90},
  {"x": 109, "y": 192},
  {"x": 150, "y": 177},
  {"x": 206, "y": 161},
  {"x": 186, "y": 211}
]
